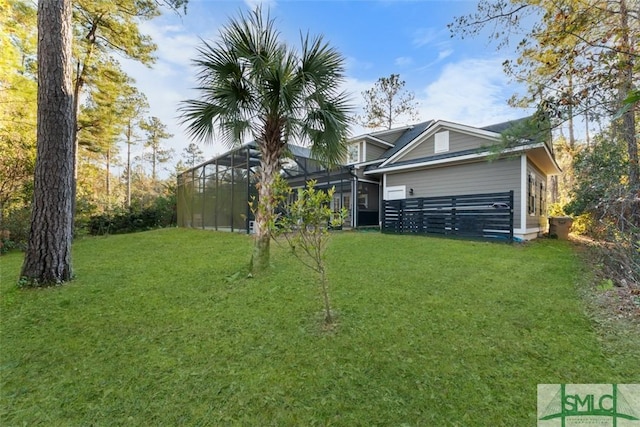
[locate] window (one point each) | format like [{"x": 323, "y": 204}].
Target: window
[
  {"x": 543, "y": 199},
  {"x": 441, "y": 142},
  {"x": 353, "y": 153},
  {"x": 363, "y": 201},
  {"x": 531, "y": 195}
]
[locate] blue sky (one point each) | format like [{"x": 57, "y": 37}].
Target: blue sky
[{"x": 452, "y": 79}]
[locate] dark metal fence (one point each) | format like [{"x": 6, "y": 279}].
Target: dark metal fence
[{"x": 485, "y": 216}]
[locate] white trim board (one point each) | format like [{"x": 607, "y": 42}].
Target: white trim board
[
  {"x": 523, "y": 191},
  {"x": 454, "y": 159}
]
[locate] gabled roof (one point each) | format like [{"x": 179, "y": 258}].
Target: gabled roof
[
  {"x": 416, "y": 134},
  {"x": 501, "y": 127},
  {"x": 414, "y": 138},
  {"x": 526, "y": 129},
  {"x": 409, "y": 135},
  {"x": 454, "y": 156}
]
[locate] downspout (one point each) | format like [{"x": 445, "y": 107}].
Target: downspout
[
  {"x": 354, "y": 197},
  {"x": 381, "y": 210}
]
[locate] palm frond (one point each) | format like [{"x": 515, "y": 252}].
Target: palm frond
[{"x": 250, "y": 83}]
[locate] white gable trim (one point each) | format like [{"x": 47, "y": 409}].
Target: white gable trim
[
  {"x": 370, "y": 162},
  {"x": 452, "y": 159},
  {"x": 378, "y": 140},
  {"x": 373, "y": 137},
  {"x": 435, "y": 127}
]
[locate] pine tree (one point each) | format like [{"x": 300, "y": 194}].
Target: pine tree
[
  {"x": 387, "y": 102},
  {"x": 48, "y": 257}
]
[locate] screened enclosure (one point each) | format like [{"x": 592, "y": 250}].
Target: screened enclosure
[{"x": 216, "y": 194}]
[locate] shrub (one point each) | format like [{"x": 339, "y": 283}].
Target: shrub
[
  {"x": 602, "y": 193},
  {"x": 14, "y": 230},
  {"x": 161, "y": 214}
]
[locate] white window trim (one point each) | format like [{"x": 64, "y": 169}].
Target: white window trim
[
  {"x": 531, "y": 195},
  {"x": 349, "y": 160}
]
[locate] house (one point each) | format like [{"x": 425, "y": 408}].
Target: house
[
  {"x": 432, "y": 159},
  {"x": 441, "y": 158}
]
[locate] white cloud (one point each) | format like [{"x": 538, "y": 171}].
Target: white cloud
[
  {"x": 444, "y": 54},
  {"x": 353, "y": 64},
  {"x": 266, "y": 4},
  {"x": 170, "y": 80},
  {"x": 355, "y": 88},
  {"x": 175, "y": 45},
  {"x": 472, "y": 92},
  {"x": 403, "y": 61},
  {"x": 424, "y": 36}
]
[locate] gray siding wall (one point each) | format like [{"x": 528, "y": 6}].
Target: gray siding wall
[
  {"x": 471, "y": 178},
  {"x": 373, "y": 152},
  {"x": 534, "y": 221},
  {"x": 457, "y": 142}
]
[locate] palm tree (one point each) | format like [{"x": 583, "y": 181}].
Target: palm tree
[{"x": 253, "y": 85}]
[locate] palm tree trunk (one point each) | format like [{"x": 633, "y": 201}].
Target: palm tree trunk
[
  {"x": 269, "y": 164},
  {"x": 269, "y": 168}
]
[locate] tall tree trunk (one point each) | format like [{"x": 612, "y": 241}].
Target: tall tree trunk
[
  {"x": 108, "y": 183},
  {"x": 572, "y": 137},
  {"x": 78, "y": 84},
  {"x": 153, "y": 164},
  {"x": 627, "y": 121},
  {"x": 48, "y": 256},
  {"x": 586, "y": 127},
  {"x": 129, "y": 165}
]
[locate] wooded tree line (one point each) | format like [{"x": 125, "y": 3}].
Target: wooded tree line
[
  {"x": 579, "y": 60},
  {"x": 118, "y": 147}
]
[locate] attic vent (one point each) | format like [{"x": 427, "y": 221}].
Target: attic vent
[{"x": 442, "y": 142}]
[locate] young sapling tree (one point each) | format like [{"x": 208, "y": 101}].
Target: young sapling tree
[{"x": 304, "y": 222}]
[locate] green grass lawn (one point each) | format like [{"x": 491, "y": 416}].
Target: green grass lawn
[{"x": 160, "y": 329}]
